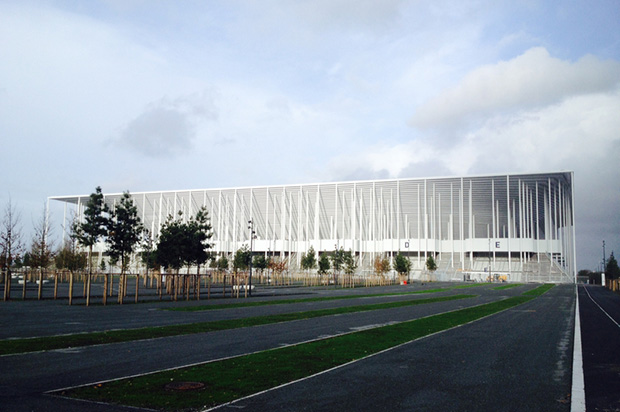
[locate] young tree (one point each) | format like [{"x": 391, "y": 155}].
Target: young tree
[
  {"x": 148, "y": 255},
  {"x": 199, "y": 233},
  {"x": 308, "y": 260},
  {"x": 241, "y": 260},
  {"x": 337, "y": 259},
  {"x": 92, "y": 229},
  {"x": 431, "y": 265},
  {"x": 381, "y": 265},
  {"x": 260, "y": 263},
  {"x": 402, "y": 265},
  {"x": 324, "y": 265},
  {"x": 350, "y": 265},
  {"x": 10, "y": 244},
  {"x": 41, "y": 254},
  {"x": 612, "y": 271},
  {"x": 70, "y": 259},
  {"x": 171, "y": 243},
  {"x": 222, "y": 263},
  {"x": 124, "y": 229},
  {"x": 185, "y": 243},
  {"x": 222, "y": 266}
]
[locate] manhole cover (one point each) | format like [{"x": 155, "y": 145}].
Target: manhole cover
[{"x": 184, "y": 386}]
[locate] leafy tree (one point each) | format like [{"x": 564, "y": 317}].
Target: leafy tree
[
  {"x": 431, "y": 265},
  {"x": 337, "y": 260},
  {"x": 260, "y": 263},
  {"x": 70, "y": 259},
  {"x": 278, "y": 267},
  {"x": 308, "y": 260},
  {"x": 381, "y": 265},
  {"x": 402, "y": 265},
  {"x": 612, "y": 271},
  {"x": 124, "y": 231},
  {"x": 183, "y": 243},
  {"x": 92, "y": 229},
  {"x": 10, "y": 244},
  {"x": 198, "y": 235},
  {"x": 324, "y": 264},
  {"x": 350, "y": 266},
  {"x": 148, "y": 255},
  {"x": 350, "y": 263},
  {"x": 171, "y": 243},
  {"x": 222, "y": 263},
  {"x": 242, "y": 258}
]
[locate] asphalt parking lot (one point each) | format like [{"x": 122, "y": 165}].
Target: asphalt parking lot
[{"x": 516, "y": 360}]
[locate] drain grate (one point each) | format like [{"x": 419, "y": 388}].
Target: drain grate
[{"x": 184, "y": 386}]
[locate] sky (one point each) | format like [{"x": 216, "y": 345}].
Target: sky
[{"x": 167, "y": 95}]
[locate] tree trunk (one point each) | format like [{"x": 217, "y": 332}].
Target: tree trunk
[
  {"x": 137, "y": 284},
  {"x": 40, "y": 293},
  {"x": 160, "y": 285},
  {"x": 55, "y": 285},
  {"x": 7, "y": 285},
  {"x": 88, "y": 289},
  {"x": 24, "y": 288},
  {"x": 224, "y": 284},
  {"x": 70, "y": 287},
  {"x": 105, "y": 289},
  {"x": 121, "y": 288}
]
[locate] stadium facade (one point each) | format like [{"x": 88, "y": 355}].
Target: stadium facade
[{"x": 514, "y": 227}]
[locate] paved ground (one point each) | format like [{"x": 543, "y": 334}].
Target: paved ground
[
  {"x": 600, "y": 332},
  {"x": 516, "y": 360}
]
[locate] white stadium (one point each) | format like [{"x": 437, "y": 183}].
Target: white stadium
[{"x": 513, "y": 227}]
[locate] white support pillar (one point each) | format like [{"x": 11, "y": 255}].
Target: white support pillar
[
  {"x": 509, "y": 223},
  {"x": 471, "y": 226},
  {"x": 462, "y": 225}
]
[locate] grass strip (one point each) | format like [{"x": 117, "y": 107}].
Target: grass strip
[
  {"x": 512, "y": 285},
  {"x": 539, "y": 290},
  {"x": 12, "y": 346},
  {"x": 234, "y": 378},
  {"x": 201, "y": 308}
]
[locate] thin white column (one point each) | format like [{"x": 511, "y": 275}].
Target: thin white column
[
  {"x": 509, "y": 222},
  {"x": 462, "y": 226}
]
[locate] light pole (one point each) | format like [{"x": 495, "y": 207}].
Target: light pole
[
  {"x": 604, "y": 257},
  {"x": 251, "y": 227}
]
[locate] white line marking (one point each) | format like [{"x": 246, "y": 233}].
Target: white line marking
[
  {"x": 599, "y": 306},
  {"x": 578, "y": 394},
  {"x": 233, "y": 402}
]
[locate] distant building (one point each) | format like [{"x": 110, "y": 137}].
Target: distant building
[{"x": 514, "y": 227}]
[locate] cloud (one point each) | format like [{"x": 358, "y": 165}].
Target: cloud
[
  {"x": 533, "y": 79},
  {"x": 168, "y": 127}
]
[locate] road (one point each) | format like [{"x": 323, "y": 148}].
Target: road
[
  {"x": 516, "y": 360},
  {"x": 600, "y": 335}
]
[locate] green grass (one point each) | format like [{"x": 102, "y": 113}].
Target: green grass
[
  {"x": 12, "y": 346},
  {"x": 234, "y": 378},
  {"x": 539, "y": 290},
  {"x": 512, "y": 285}
]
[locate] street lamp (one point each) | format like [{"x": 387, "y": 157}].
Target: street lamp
[{"x": 252, "y": 233}]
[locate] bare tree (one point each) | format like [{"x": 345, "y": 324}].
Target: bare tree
[
  {"x": 70, "y": 258},
  {"x": 10, "y": 244},
  {"x": 41, "y": 254}
]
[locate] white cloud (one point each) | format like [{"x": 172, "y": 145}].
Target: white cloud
[{"x": 532, "y": 79}]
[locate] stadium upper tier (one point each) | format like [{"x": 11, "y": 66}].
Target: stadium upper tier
[{"x": 516, "y": 225}]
